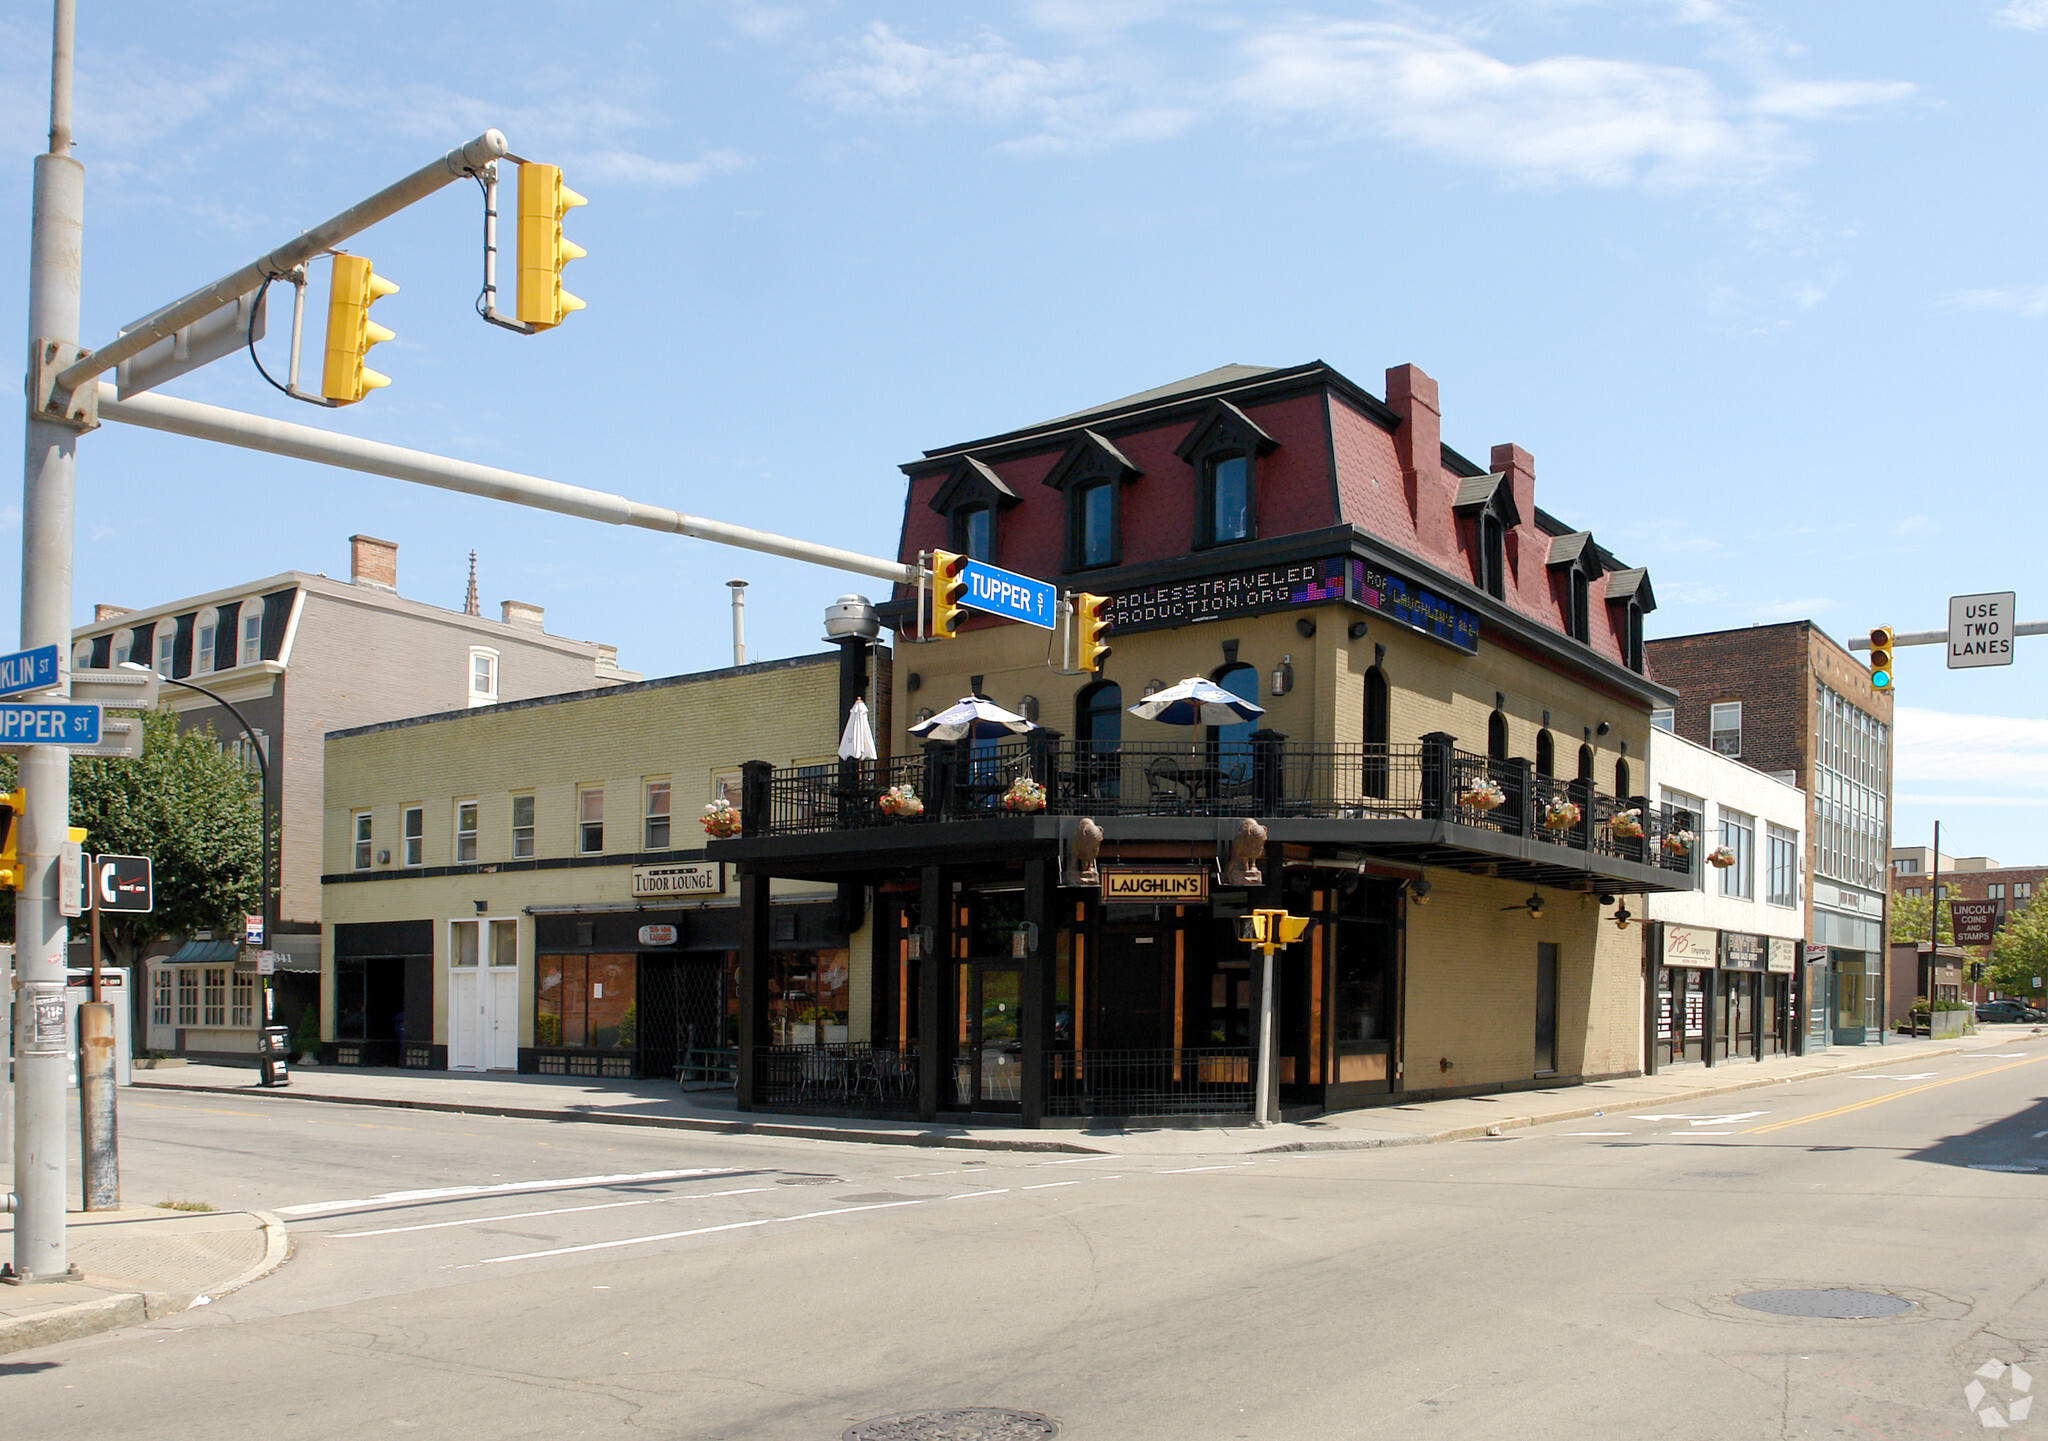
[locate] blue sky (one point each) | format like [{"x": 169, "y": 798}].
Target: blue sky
[{"x": 1760, "y": 287}]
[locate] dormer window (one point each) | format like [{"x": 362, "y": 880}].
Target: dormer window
[
  {"x": 1489, "y": 502},
  {"x": 971, "y": 500},
  {"x": 1576, "y": 560},
  {"x": 1629, "y": 590},
  {"x": 1224, "y": 447},
  {"x": 1092, "y": 475}
]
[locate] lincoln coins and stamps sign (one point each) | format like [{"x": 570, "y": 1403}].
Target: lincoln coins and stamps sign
[
  {"x": 1152, "y": 886},
  {"x": 1976, "y": 922},
  {"x": 691, "y": 878}
]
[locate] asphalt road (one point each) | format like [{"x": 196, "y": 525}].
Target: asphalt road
[{"x": 498, "y": 1278}]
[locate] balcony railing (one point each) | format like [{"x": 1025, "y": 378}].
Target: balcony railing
[{"x": 1264, "y": 776}]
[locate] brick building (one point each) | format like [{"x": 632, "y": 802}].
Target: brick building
[
  {"x": 1789, "y": 701},
  {"x": 299, "y": 655},
  {"x": 1974, "y": 878}
]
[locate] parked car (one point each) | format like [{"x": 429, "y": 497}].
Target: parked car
[{"x": 2008, "y": 1011}]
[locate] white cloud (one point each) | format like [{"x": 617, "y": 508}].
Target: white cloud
[
  {"x": 1799, "y": 609},
  {"x": 2028, "y": 300},
  {"x": 2023, "y": 14},
  {"x": 1560, "y": 119},
  {"x": 2003, "y": 754},
  {"x": 632, "y": 169}
]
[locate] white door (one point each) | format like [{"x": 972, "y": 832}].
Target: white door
[
  {"x": 501, "y": 1029},
  {"x": 467, "y": 998}
]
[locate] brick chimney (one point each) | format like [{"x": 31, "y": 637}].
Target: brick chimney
[
  {"x": 1418, "y": 443},
  {"x": 103, "y": 611},
  {"x": 1520, "y": 468},
  {"x": 373, "y": 562},
  {"x": 521, "y": 614}
]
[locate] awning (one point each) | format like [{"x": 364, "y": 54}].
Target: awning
[{"x": 202, "y": 953}]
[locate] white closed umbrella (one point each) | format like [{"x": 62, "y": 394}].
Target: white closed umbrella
[
  {"x": 972, "y": 717},
  {"x": 858, "y": 741},
  {"x": 1195, "y": 702}
]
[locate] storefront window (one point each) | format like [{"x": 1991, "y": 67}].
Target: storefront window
[
  {"x": 807, "y": 997},
  {"x": 585, "y": 1001},
  {"x": 215, "y": 1011},
  {"x": 160, "y": 998},
  {"x": 242, "y": 1012}
]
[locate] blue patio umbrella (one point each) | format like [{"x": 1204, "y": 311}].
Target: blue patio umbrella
[
  {"x": 972, "y": 717},
  {"x": 1196, "y": 702}
]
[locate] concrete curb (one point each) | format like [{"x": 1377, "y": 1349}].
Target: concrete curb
[
  {"x": 670, "y": 1123},
  {"x": 1579, "y": 1113},
  {"x": 277, "y": 1249}
]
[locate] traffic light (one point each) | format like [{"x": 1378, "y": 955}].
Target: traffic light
[
  {"x": 1092, "y": 625},
  {"x": 1269, "y": 930},
  {"x": 1976, "y": 972},
  {"x": 350, "y": 331},
  {"x": 949, "y": 587},
  {"x": 13, "y": 806},
  {"x": 1881, "y": 658},
  {"x": 543, "y": 200}
]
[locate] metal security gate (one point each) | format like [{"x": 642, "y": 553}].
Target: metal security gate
[{"x": 680, "y": 1006}]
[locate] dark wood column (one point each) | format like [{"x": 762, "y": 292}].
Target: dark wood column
[
  {"x": 1040, "y": 878},
  {"x": 754, "y": 936},
  {"x": 934, "y": 982}
]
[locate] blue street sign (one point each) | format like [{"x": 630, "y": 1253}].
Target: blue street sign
[
  {"x": 28, "y": 670},
  {"x": 58, "y": 723},
  {"x": 1006, "y": 593}
]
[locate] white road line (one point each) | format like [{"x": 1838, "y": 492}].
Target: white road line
[
  {"x": 1189, "y": 1170},
  {"x": 557, "y": 1211},
  {"x": 449, "y": 1193},
  {"x": 2039, "y": 1134},
  {"x": 1703, "y": 1133},
  {"x": 1599, "y": 1133},
  {"x": 702, "y": 1231},
  {"x": 1891, "y": 1075},
  {"x": 970, "y": 1195},
  {"x": 1079, "y": 1160},
  {"x": 1048, "y": 1185},
  {"x": 1994, "y": 1055}
]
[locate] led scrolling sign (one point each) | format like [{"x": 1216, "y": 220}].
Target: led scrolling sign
[{"x": 1264, "y": 589}]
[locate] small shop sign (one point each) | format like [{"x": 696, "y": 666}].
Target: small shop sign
[
  {"x": 1153, "y": 885},
  {"x": 1689, "y": 946},
  {"x": 657, "y": 935},
  {"x": 1741, "y": 952},
  {"x": 686, "y": 878},
  {"x": 1782, "y": 955},
  {"x": 1975, "y": 922}
]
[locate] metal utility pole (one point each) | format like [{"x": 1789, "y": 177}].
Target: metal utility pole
[{"x": 41, "y": 1038}]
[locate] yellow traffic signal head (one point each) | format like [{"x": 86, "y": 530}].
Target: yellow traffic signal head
[
  {"x": 350, "y": 331},
  {"x": 1293, "y": 928},
  {"x": 1881, "y": 658},
  {"x": 543, "y": 201},
  {"x": 13, "y": 805},
  {"x": 949, "y": 586},
  {"x": 1252, "y": 926},
  {"x": 1093, "y": 627}
]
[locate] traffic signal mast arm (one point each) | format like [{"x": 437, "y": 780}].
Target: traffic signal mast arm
[
  {"x": 1940, "y": 637},
  {"x": 325, "y": 447},
  {"x": 277, "y": 265}
]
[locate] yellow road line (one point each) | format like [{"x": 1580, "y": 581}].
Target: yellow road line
[{"x": 1889, "y": 1096}]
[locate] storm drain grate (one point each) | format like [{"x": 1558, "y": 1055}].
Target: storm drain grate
[
  {"x": 976, "y": 1423},
  {"x": 1836, "y": 1305}
]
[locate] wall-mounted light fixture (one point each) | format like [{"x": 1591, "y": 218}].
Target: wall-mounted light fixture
[
  {"x": 1283, "y": 675},
  {"x": 913, "y": 682},
  {"x": 1305, "y": 627},
  {"x": 1602, "y": 729},
  {"x": 1153, "y": 687},
  {"x": 924, "y": 713},
  {"x": 1028, "y": 708},
  {"x": 481, "y": 906},
  {"x": 1356, "y": 630},
  {"x": 383, "y": 858},
  {"x": 1418, "y": 890}
]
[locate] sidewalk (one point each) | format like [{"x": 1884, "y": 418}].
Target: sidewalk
[
  {"x": 660, "y": 1104},
  {"x": 137, "y": 1265}
]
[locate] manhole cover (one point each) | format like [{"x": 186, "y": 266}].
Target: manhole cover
[
  {"x": 978, "y": 1423},
  {"x": 1839, "y": 1305}
]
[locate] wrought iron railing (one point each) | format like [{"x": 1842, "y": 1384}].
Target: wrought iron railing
[
  {"x": 1264, "y": 775},
  {"x": 1180, "y": 1081},
  {"x": 850, "y": 1076}
]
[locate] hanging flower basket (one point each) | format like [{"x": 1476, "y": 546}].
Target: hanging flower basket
[
  {"x": 1561, "y": 815},
  {"x": 1024, "y": 796},
  {"x": 721, "y": 819},
  {"x": 1482, "y": 794},
  {"x": 1678, "y": 843},
  {"x": 900, "y": 801},
  {"x": 1720, "y": 857},
  {"x": 1626, "y": 825}
]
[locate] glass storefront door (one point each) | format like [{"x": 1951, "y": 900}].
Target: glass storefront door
[
  {"x": 1850, "y": 994},
  {"x": 1681, "y": 1016},
  {"x": 988, "y": 1064}
]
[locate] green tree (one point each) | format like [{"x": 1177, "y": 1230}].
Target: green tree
[
  {"x": 194, "y": 809},
  {"x": 2020, "y": 953},
  {"x": 1909, "y": 920}
]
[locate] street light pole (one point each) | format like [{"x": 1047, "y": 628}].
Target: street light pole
[{"x": 42, "y": 1039}]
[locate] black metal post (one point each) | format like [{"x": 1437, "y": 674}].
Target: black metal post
[
  {"x": 1037, "y": 985},
  {"x": 1438, "y": 779},
  {"x": 935, "y": 958},
  {"x": 755, "y": 895}
]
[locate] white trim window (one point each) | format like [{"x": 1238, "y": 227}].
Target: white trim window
[
  {"x": 590, "y": 820},
  {"x": 1781, "y": 884},
  {"x": 188, "y": 995},
  {"x": 252, "y": 634},
  {"x": 242, "y": 1000},
  {"x": 214, "y": 996},
  {"x": 1724, "y": 727},
  {"x": 1664, "y": 719},
  {"x": 657, "y": 829},
  {"x": 470, "y": 945},
  {"x": 522, "y": 828},
  {"x": 483, "y": 675},
  {"x": 415, "y": 836},
  {"x": 363, "y": 828},
  {"x": 160, "y": 997},
  {"x": 202, "y": 657},
  {"x": 465, "y": 833},
  {"x": 166, "y": 645},
  {"x": 1738, "y": 834}
]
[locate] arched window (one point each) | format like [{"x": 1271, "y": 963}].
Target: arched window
[
  {"x": 1375, "y": 774},
  {"x": 1230, "y": 747},
  {"x": 1099, "y": 732},
  {"x": 1546, "y": 754},
  {"x": 1586, "y": 764},
  {"x": 1621, "y": 786},
  {"x": 1497, "y": 737}
]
